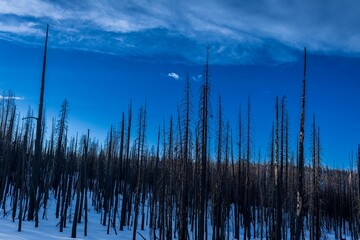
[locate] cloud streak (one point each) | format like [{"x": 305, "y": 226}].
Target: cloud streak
[
  {"x": 174, "y": 75},
  {"x": 239, "y": 32},
  {"x": 10, "y": 97},
  {"x": 197, "y": 78}
]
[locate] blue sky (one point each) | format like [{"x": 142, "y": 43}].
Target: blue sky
[{"x": 102, "y": 54}]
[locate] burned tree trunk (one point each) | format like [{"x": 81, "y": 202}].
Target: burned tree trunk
[
  {"x": 300, "y": 187},
  {"x": 33, "y": 208},
  {"x": 204, "y": 115}
]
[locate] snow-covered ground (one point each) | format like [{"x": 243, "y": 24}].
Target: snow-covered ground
[{"x": 49, "y": 227}]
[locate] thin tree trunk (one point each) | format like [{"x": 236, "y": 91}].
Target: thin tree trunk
[
  {"x": 300, "y": 190},
  {"x": 37, "y": 158}
]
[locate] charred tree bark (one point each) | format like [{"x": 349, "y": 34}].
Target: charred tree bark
[
  {"x": 125, "y": 197},
  {"x": 204, "y": 115},
  {"x": 300, "y": 182},
  {"x": 33, "y": 208},
  {"x": 119, "y": 169},
  {"x": 247, "y": 217},
  {"x": 185, "y": 162}
]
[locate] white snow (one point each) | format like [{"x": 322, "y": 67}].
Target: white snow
[{"x": 49, "y": 228}]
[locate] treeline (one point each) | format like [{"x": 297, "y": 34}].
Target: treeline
[{"x": 183, "y": 187}]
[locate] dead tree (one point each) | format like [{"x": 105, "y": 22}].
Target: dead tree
[
  {"x": 316, "y": 181},
  {"x": 33, "y": 208},
  {"x": 204, "y": 116},
  {"x": 169, "y": 188},
  {"x": 247, "y": 215},
  {"x": 277, "y": 177},
  {"x": 139, "y": 162},
  {"x": 126, "y": 171},
  {"x": 217, "y": 186},
  {"x": 185, "y": 162},
  {"x": 238, "y": 181},
  {"x": 300, "y": 182},
  {"x": 24, "y": 156},
  {"x": 119, "y": 168}
]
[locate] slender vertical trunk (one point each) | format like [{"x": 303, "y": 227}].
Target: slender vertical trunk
[
  {"x": 185, "y": 154},
  {"x": 170, "y": 184},
  {"x": 63, "y": 195},
  {"x": 36, "y": 166},
  {"x": 299, "y": 207},
  {"x": 86, "y": 146},
  {"x": 247, "y": 217},
  {"x": 23, "y": 161},
  {"x": 204, "y": 138},
  {"x": 317, "y": 190},
  {"x": 139, "y": 161},
  {"x": 119, "y": 169},
  {"x": 108, "y": 194},
  {"x": 277, "y": 176},
  {"x": 125, "y": 172},
  {"x": 238, "y": 188},
  {"x": 279, "y": 165},
  {"x": 76, "y": 214}
]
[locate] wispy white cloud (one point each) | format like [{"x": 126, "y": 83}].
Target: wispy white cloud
[
  {"x": 196, "y": 78},
  {"x": 11, "y": 97},
  {"x": 26, "y": 28},
  {"x": 174, "y": 75},
  {"x": 236, "y": 30}
]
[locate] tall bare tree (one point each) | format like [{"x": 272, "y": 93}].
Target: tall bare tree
[
  {"x": 300, "y": 180},
  {"x": 204, "y": 116},
  {"x": 247, "y": 217},
  {"x": 33, "y": 206},
  {"x": 185, "y": 162}
]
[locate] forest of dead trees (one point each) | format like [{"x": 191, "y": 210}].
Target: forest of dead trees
[{"x": 183, "y": 187}]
